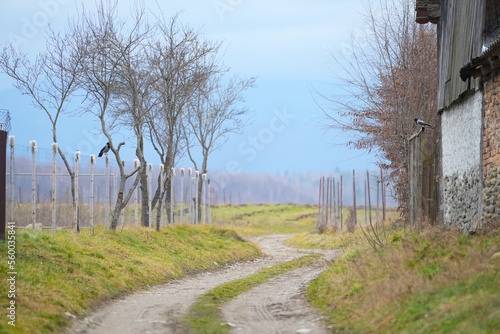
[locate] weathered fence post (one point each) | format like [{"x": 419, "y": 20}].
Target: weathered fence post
[
  {"x": 355, "y": 218},
  {"x": 34, "y": 149},
  {"x": 378, "y": 195},
  {"x": 106, "y": 205},
  {"x": 335, "y": 208},
  {"x": 369, "y": 196},
  {"x": 366, "y": 206},
  {"x": 341, "y": 202},
  {"x": 160, "y": 200},
  {"x": 319, "y": 201},
  {"x": 324, "y": 203},
  {"x": 122, "y": 213},
  {"x": 190, "y": 200},
  {"x": 150, "y": 193},
  {"x": 12, "y": 142},
  {"x": 53, "y": 193},
  {"x": 204, "y": 193},
  {"x": 332, "y": 221},
  {"x": 209, "y": 203},
  {"x": 182, "y": 196},
  {"x": 382, "y": 190},
  {"x": 136, "y": 197},
  {"x": 197, "y": 179},
  {"x": 172, "y": 193},
  {"x": 327, "y": 203},
  {"x": 92, "y": 163},
  {"x": 75, "y": 218}
]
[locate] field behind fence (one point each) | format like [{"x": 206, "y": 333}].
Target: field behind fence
[{"x": 33, "y": 173}]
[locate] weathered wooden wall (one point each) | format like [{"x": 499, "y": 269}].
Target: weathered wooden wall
[
  {"x": 460, "y": 38},
  {"x": 423, "y": 178}
]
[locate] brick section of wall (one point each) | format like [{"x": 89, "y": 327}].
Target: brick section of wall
[{"x": 491, "y": 150}]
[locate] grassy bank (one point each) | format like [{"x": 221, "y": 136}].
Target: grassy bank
[
  {"x": 204, "y": 316},
  {"x": 432, "y": 282},
  {"x": 65, "y": 275}
]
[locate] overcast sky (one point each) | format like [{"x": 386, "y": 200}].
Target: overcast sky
[{"x": 285, "y": 44}]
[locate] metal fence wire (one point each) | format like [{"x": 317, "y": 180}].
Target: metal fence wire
[
  {"x": 5, "y": 120},
  {"x": 40, "y": 194}
]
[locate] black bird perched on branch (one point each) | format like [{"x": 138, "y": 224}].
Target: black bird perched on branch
[
  {"x": 105, "y": 149},
  {"x": 422, "y": 124}
]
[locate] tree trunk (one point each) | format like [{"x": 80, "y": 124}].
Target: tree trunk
[
  {"x": 119, "y": 204},
  {"x": 200, "y": 187},
  {"x": 144, "y": 182}
]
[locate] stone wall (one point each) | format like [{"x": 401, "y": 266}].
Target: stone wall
[
  {"x": 461, "y": 162},
  {"x": 491, "y": 149}
]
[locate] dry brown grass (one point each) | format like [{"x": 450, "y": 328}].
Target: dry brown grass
[{"x": 364, "y": 284}]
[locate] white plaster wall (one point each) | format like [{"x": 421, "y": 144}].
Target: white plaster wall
[
  {"x": 461, "y": 135},
  {"x": 461, "y": 150}
]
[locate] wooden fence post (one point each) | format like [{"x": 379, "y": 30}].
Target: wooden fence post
[
  {"x": 137, "y": 163},
  {"x": 319, "y": 202},
  {"x": 34, "y": 149},
  {"x": 92, "y": 163},
  {"x": 366, "y": 206},
  {"x": 383, "y": 194},
  {"x": 182, "y": 196},
  {"x": 75, "y": 217},
  {"x": 172, "y": 196},
  {"x": 204, "y": 199},
  {"x": 150, "y": 178},
  {"x": 341, "y": 201},
  {"x": 190, "y": 171},
  {"x": 369, "y": 196},
  {"x": 355, "y": 218},
  {"x": 53, "y": 199},
  {"x": 106, "y": 159},
  {"x": 209, "y": 203},
  {"x": 197, "y": 179},
  {"x": 162, "y": 189}
]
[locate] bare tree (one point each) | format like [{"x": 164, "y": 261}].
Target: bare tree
[
  {"x": 385, "y": 78},
  {"x": 50, "y": 80},
  {"x": 133, "y": 91},
  {"x": 101, "y": 39},
  {"x": 216, "y": 112},
  {"x": 177, "y": 63}
]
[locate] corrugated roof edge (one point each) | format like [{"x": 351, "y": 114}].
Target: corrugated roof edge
[{"x": 467, "y": 71}]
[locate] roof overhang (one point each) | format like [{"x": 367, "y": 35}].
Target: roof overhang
[{"x": 485, "y": 63}]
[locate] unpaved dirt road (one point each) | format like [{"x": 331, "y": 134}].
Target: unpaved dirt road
[{"x": 275, "y": 307}]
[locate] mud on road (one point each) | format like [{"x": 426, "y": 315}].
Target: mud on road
[{"x": 274, "y": 307}]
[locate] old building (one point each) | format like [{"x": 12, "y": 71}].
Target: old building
[{"x": 468, "y": 104}]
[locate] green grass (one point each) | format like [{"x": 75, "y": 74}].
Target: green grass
[
  {"x": 68, "y": 273},
  {"x": 266, "y": 218},
  {"x": 437, "y": 281},
  {"x": 204, "y": 316}
]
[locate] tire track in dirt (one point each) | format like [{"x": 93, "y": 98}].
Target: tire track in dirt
[
  {"x": 278, "y": 306},
  {"x": 160, "y": 308}
]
